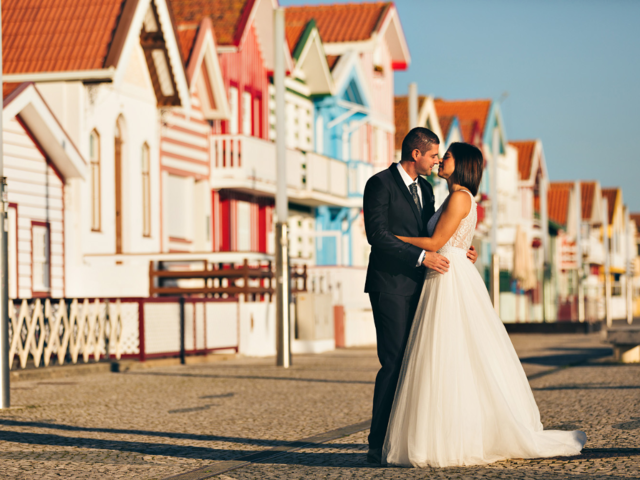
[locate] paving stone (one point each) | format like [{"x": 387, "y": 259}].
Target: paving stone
[{"x": 151, "y": 424}]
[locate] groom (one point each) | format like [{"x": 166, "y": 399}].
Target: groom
[{"x": 398, "y": 201}]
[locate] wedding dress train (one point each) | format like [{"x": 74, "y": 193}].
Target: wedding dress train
[{"x": 463, "y": 397}]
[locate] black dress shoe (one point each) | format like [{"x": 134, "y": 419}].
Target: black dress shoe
[{"x": 374, "y": 455}]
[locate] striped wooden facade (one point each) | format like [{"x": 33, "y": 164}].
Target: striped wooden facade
[
  {"x": 245, "y": 70},
  {"x": 242, "y": 222},
  {"x": 36, "y": 216}
]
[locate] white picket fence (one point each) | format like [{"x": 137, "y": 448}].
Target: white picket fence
[{"x": 63, "y": 330}]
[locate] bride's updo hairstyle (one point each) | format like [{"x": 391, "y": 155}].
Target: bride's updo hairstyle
[{"x": 469, "y": 165}]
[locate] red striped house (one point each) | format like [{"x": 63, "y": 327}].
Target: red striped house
[{"x": 240, "y": 220}]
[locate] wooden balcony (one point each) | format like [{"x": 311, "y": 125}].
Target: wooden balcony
[{"x": 249, "y": 164}]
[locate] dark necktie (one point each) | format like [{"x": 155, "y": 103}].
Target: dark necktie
[{"x": 413, "y": 187}]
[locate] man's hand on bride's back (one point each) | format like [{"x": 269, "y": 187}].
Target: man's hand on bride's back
[
  {"x": 436, "y": 262},
  {"x": 472, "y": 254}
]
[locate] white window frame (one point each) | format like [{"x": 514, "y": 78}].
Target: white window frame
[
  {"x": 247, "y": 122},
  {"x": 233, "y": 104},
  {"x": 40, "y": 257}
]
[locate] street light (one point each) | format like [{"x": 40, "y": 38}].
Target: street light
[
  {"x": 283, "y": 326},
  {"x": 5, "y": 399}
]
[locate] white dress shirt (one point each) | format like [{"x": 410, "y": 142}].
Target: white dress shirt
[{"x": 408, "y": 181}]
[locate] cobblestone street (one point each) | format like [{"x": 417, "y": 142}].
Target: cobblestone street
[{"x": 166, "y": 421}]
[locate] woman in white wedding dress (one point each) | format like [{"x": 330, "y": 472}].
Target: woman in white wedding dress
[{"x": 463, "y": 397}]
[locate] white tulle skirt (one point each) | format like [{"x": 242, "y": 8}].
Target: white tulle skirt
[{"x": 463, "y": 397}]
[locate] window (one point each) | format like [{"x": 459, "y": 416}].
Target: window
[
  {"x": 233, "y": 103},
  {"x": 41, "y": 257},
  {"x": 12, "y": 244},
  {"x": 257, "y": 117},
  {"x": 179, "y": 193},
  {"x": 94, "y": 159},
  {"x": 246, "y": 113},
  {"x": 146, "y": 191}
]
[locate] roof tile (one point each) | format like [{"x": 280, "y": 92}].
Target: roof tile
[
  {"x": 227, "y": 16},
  {"x": 611, "y": 194},
  {"x": 53, "y": 36},
  {"x": 525, "y": 157},
  {"x": 349, "y": 22},
  {"x": 472, "y": 115}
]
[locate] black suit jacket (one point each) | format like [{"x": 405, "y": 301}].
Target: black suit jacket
[{"x": 389, "y": 210}]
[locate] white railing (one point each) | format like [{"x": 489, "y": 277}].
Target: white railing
[
  {"x": 63, "y": 330},
  {"x": 246, "y": 160}
]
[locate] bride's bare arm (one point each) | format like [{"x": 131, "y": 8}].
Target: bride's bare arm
[{"x": 457, "y": 208}]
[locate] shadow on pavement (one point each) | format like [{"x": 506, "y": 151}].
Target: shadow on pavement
[
  {"x": 562, "y": 359},
  {"x": 250, "y": 377}
]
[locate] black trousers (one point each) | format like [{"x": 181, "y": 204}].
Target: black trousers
[{"x": 393, "y": 316}]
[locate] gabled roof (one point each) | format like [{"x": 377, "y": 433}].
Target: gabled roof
[
  {"x": 26, "y": 102},
  {"x": 356, "y": 22},
  {"x": 588, "y": 194},
  {"x": 472, "y": 115},
  {"x": 203, "y": 68},
  {"x": 558, "y": 202},
  {"x": 307, "y": 50},
  {"x": 636, "y": 218},
  {"x": 229, "y": 17},
  {"x": 525, "y": 157},
  {"x": 54, "y": 36},
  {"x": 46, "y": 40},
  {"x": 401, "y": 114},
  {"x": 611, "y": 194},
  {"x": 338, "y": 23},
  {"x": 427, "y": 117}
]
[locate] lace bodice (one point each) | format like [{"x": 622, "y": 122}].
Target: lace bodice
[{"x": 463, "y": 236}]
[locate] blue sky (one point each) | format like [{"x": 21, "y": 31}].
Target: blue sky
[{"x": 571, "y": 69}]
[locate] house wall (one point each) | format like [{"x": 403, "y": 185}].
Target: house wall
[
  {"x": 36, "y": 199},
  {"x": 245, "y": 70}
]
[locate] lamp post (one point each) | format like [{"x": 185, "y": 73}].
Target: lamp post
[
  {"x": 579, "y": 273},
  {"x": 546, "y": 251},
  {"x": 5, "y": 398},
  {"x": 283, "y": 326},
  {"x": 607, "y": 265}
]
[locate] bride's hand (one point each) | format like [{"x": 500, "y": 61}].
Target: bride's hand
[{"x": 472, "y": 254}]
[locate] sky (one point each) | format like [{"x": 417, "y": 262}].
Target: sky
[{"x": 570, "y": 70}]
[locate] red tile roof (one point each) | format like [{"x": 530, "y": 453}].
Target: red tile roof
[
  {"x": 558, "y": 202},
  {"x": 588, "y": 195},
  {"x": 445, "y": 125},
  {"x": 332, "y": 60},
  {"x": 57, "y": 35},
  {"x": 611, "y": 194},
  {"x": 9, "y": 88},
  {"x": 636, "y": 218},
  {"x": 525, "y": 157},
  {"x": 187, "y": 33},
  {"x": 292, "y": 32},
  {"x": 228, "y": 16},
  {"x": 472, "y": 114},
  {"x": 401, "y": 114},
  {"x": 349, "y": 22}
]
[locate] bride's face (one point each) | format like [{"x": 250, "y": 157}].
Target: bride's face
[{"x": 447, "y": 166}]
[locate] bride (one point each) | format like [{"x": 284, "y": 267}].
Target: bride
[{"x": 463, "y": 397}]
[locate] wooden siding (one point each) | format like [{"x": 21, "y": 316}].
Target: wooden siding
[
  {"x": 245, "y": 70},
  {"x": 37, "y": 190},
  {"x": 184, "y": 145},
  {"x": 227, "y": 225}
]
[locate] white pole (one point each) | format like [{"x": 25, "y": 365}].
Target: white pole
[
  {"x": 495, "y": 261},
  {"x": 5, "y": 398},
  {"x": 579, "y": 272},
  {"x": 607, "y": 265},
  {"x": 283, "y": 290},
  {"x": 628, "y": 259},
  {"x": 413, "y": 105}
]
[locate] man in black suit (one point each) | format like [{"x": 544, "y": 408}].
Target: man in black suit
[{"x": 398, "y": 201}]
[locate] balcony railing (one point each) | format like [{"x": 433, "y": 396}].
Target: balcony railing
[{"x": 249, "y": 163}]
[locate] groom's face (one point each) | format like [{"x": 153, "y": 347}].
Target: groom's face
[{"x": 425, "y": 163}]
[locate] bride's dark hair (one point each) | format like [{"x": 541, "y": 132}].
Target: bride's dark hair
[{"x": 469, "y": 166}]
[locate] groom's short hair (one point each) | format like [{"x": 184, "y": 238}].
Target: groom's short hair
[{"x": 419, "y": 138}]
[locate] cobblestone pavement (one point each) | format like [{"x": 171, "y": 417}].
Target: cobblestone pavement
[{"x": 155, "y": 423}]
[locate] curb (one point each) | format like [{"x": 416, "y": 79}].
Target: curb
[{"x": 83, "y": 369}]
